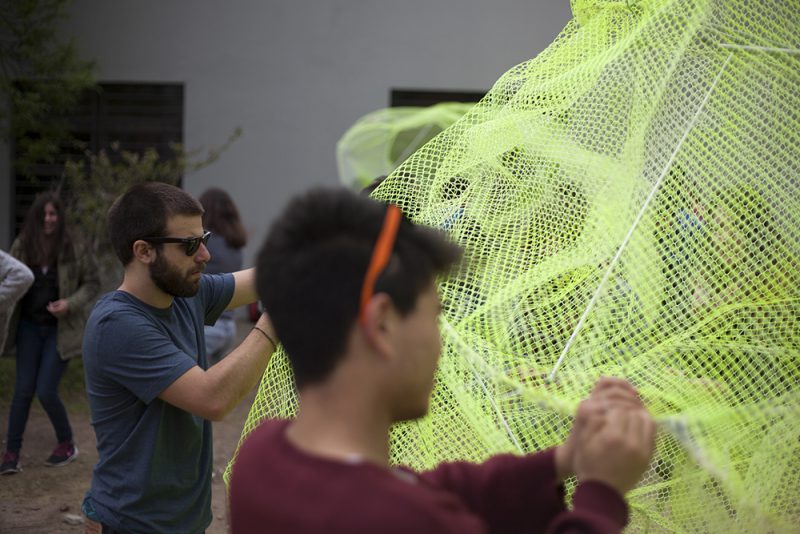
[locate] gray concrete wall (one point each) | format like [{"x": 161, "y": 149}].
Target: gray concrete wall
[{"x": 296, "y": 74}]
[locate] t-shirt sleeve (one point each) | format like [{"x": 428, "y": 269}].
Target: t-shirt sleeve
[
  {"x": 138, "y": 355},
  {"x": 214, "y": 295},
  {"x": 510, "y": 493}
]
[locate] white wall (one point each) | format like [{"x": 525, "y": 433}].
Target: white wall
[{"x": 296, "y": 74}]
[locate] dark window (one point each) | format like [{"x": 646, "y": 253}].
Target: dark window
[
  {"x": 429, "y": 97},
  {"x": 136, "y": 115}
]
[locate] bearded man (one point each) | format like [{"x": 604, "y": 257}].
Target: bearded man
[{"x": 151, "y": 391}]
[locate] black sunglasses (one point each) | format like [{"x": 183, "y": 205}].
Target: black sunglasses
[{"x": 191, "y": 243}]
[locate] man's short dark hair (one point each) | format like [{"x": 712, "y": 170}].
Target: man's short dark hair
[
  {"x": 142, "y": 211},
  {"x": 311, "y": 268}
]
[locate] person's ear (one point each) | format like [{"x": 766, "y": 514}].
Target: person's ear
[
  {"x": 377, "y": 323},
  {"x": 144, "y": 251}
]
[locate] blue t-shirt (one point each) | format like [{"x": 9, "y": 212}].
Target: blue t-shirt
[{"x": 155, "y": 460}]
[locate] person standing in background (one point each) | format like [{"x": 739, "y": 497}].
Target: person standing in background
[
  {"x": 48, "y": 322},
  {"x": 222, "y": 219}
]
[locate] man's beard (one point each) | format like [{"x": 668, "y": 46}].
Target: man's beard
[{"x": 170, "y": 280}]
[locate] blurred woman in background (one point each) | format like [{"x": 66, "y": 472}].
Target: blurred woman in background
[
  {"x": 47, "y": 325},
  {"x": 228, "y": 237}
]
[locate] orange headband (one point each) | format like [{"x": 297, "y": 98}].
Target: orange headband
[{"x": 381, "y": 255}]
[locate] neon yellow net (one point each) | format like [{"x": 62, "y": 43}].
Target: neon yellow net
[
  {"x": 628, "y": 202},
  {"x": 380, "y": 141}
]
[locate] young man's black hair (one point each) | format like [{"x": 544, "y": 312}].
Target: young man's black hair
[
  {"x": 313, "y": 309},
  {"x": 350, "y": 287}
]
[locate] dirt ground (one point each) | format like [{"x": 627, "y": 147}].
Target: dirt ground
[{"x": 40, "y": 499}]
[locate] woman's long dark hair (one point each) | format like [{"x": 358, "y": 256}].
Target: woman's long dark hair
[
  {"x": 41, "y": 249},
  {"x": 221, "y": 217}
]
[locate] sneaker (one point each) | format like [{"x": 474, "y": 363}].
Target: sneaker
[
  {"x": 11, "y": 463},
  {"x": 64, "y": 453}
]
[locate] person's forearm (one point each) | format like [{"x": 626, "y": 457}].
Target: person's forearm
[
  {"x": 538, "y": 496},
  {"x": 241, "y": 370},
  {"x": 244, "y": 289}
]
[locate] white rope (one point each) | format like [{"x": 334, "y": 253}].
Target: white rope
[
  {"x": 760, "y": 48},
  {"x": 451, "y": 332},
  {"x": 613, "y": 263}
]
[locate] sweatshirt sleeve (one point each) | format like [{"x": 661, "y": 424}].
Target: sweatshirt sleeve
[
  {"x": 510, "y": 493},
  {"x": 597, "y": 509},
  {"x": 523, "y": 494}
]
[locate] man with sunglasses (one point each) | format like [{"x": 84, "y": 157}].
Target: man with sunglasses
[
  {"x": 151, "y": 391},
  {"x": 350, "y": 285}
]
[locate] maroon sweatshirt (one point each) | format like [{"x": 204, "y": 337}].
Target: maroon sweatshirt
[{"x": 277, "y": 488}]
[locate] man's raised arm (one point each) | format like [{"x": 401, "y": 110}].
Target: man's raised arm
[{"x": 244, "y": 291}]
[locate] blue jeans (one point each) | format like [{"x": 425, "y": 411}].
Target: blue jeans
[{"x": 39, "y": 371}]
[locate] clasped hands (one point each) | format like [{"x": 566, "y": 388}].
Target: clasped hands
[{"x": 612, "y": 438}]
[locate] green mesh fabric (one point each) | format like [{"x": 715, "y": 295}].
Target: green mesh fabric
[
  {"x": 628, "y": 202},
  {"x": 380, "y": 141}
]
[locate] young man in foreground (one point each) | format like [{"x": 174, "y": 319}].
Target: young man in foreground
[
  {"x": 364, "y": 349},
  {"x": 151, "y": 391}
]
